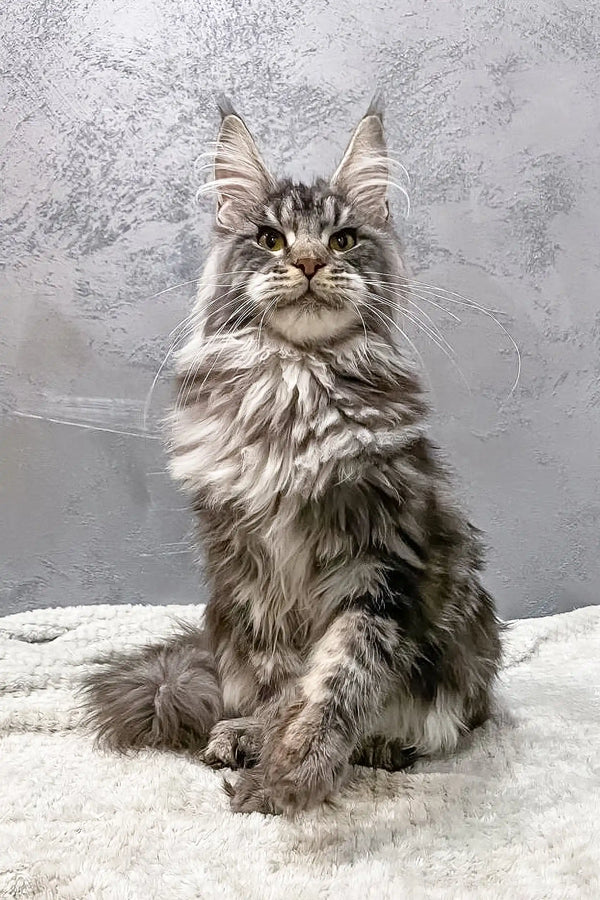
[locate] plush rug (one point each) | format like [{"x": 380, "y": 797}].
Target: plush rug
[{"x": 513, "y": 814}]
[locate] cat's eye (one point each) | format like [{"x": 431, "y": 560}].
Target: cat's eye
[
  {"x": 270, "y": 239},
  {"x": 343, "y": 240}
]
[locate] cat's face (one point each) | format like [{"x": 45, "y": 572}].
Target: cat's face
[{"x": 309, "y": 263}]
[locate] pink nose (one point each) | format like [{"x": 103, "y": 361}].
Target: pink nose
[{"x": 309, "y": 266}]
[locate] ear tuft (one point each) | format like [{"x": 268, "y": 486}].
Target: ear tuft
[
  {"x": 376, "y": 106},
  {"x": 225, "y": 106},
  {"x": 363, "y": 174}
]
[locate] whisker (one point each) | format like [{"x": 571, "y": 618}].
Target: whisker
[
  {"x": 197, "y": 281},
  {"x": 433, "y": 339},
  {"x": 270, "y": 306},
  {"x": 432, "y": 324},
  {"x": 486, "y": 312},
  {"x": 406, "y": 282},
  {"x": 432, "y": 331},
  {"x": 447, "y": 312},
  {"x": 172, "y": 288},
  {"x": 454, "y": 297},
  {"x": 240, "y": 313},
  {"x": 214, "y": 338},
  {"x": 185, "y": 327},
  {"x": 87, "y": 427},
  {"x": 415, "y": 321},
  {"x": 405, "y": 289},
  {"x": 382, "y": 318},
  {"x": 362, "y": 319}
]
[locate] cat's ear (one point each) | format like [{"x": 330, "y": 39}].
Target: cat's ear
[
  {"x": 241, "y": 178},
  {"x": 363, "y": 174}
]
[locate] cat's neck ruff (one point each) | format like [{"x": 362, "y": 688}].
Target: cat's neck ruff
[{"x": 247, "y": 348}]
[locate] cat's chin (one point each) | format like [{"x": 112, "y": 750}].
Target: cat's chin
[{"x": 311, "y": 324}]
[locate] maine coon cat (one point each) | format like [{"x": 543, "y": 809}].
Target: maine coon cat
[{"x": 346, "y": 622}]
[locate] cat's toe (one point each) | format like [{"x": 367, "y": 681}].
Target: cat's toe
[{"x": 248, "y": 750}]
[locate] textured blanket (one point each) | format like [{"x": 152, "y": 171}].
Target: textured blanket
[{"x": 513, "y": 814}]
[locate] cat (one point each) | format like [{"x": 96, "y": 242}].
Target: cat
[{"x": 347, "y": 623}]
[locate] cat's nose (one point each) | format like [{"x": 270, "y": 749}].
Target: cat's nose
[{"x": 309, "y": 265}]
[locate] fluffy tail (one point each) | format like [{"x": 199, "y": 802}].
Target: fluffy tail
[{"x": 164, "y": 695}]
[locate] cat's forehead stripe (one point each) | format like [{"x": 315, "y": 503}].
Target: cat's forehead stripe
[
  {"x": 299, "y": 208},
  {"x": 271, "y": 217}
]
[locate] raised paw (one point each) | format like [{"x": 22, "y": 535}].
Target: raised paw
[{"x": 233, "y": 743}]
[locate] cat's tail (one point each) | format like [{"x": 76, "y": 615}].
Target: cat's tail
[{"x": 163, "y": 695}]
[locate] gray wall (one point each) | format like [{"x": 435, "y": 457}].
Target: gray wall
[{"x": 493, "y": 108}]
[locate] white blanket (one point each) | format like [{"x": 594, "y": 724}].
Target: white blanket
[{"x": 513, "y": 814}]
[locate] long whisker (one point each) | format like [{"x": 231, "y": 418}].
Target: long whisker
[
  {"x": 241, "y": 312},
  {"x": 349, "y": 299},
  {"x": 84, "y": 425},
  {"x": 185, "y": 327},
  {"x": 199, "y": 313},
  {"x": 415, "y": 321},
  {"x": 454, "y": 297},
  {"x": 432, "y": 338},
  {"x": 268, "y": 309},
  {"x": 382, "y": 318},
  {"x": 409, "y": 283},
  {"x": 197, "y": 280},
  {"x": 406, "y": 289},
  {"x": 406, "y": 282},
  {"x": 396, "y": 292},
  {"x": 447, "y": 312},
  {"x": 205, "y": 347},
  {"x": 484, "y": 311},
  {"x": 362, "y": 319},
  {"x": 430, "y": 329},
  {"x": 213, "y": 339},
  {"x": 432, "y": 332}
]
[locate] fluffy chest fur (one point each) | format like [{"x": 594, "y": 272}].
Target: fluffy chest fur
[
  {"x": 283, "y": 446},
  {"x": 260, "y": 422}
]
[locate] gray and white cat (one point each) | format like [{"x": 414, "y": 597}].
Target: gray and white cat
[{"x": 346, "y": 622}]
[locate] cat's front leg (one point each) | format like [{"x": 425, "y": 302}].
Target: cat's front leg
[{"x": 306, "y": 752}]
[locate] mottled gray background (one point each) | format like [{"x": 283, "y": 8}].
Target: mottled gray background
[{"x": 108, "y": 106}]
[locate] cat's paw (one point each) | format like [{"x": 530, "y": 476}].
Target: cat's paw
[
  {"x": 303, "y": 763},
  {"x": 286, "y": 784},
  {"x": 233, "y": 744},
  {"x": 249, "y": 795},
  {"x": 298, "y": 786}
]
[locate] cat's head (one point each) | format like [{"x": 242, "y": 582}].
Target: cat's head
[{"x": 310, "y": 263}]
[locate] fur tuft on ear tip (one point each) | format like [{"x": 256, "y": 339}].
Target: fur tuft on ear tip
[
  {"x": 376, "y": 106},
  {"x": 225, "y": 106}
]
